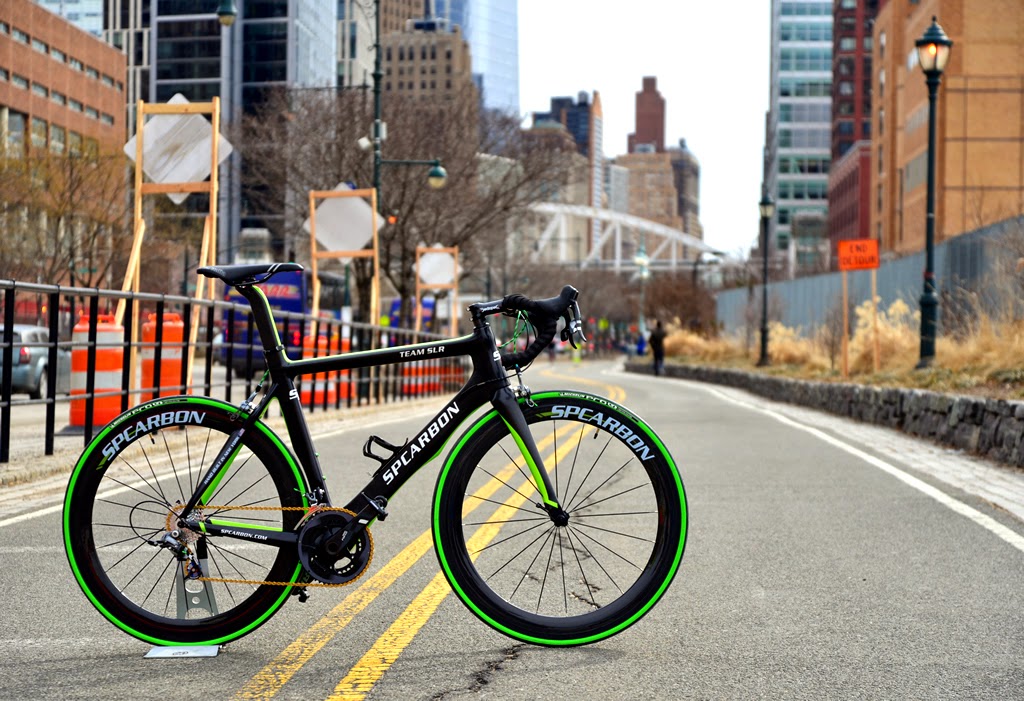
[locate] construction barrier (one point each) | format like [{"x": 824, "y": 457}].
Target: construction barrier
[
  {"x": 334, "y": 384},
  {"x": 421, "y": 378},
  {"x": 170, "y": 357},
  {"x": 109, "y": 364}
]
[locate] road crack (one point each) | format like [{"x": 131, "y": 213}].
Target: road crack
[{"x": 483, "y": 676}]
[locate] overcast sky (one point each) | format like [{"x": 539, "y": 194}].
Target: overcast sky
[{"x": 711, "y": 60}]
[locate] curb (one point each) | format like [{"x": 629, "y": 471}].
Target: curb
[{"x": 987, "y": 428}]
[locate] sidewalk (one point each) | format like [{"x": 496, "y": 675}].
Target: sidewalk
[{"x": 28, "y": 464}]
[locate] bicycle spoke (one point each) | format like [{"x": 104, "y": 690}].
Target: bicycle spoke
[
  {"x": 509, "y": 562},
  {"x": 583, "y": 575},
  {"x": 590, "y": 471},
  {"x": 174, "y": 468},
  {"x": 597, "y": 542},
  {"x": 509, "y": 520},
  {"x": 606, "y": 480},
  {"x": 599, "y": 501},
  {"x": 530, "y": 566},
  {"x": 547, "y": 568},
  {"x": 505, "y": 540},
  {"x": 493, "y": 476}
]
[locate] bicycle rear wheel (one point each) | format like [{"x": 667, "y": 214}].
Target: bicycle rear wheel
[
  {"x": 553, "y": 583},
  {"x": 122, "y": 502}
]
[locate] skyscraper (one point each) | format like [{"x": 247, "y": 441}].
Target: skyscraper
[
  {"x": 492, "y": 29},
  {"x": 84, "y": 14},
  {"x": 650, "y": 119},
  {"x": 799, "y": 125}
]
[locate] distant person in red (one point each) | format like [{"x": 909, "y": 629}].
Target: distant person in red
[{"x": 657, "y": 343}]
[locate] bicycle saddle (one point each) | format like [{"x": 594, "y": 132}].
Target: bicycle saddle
[{"x": 240, "y": 275}]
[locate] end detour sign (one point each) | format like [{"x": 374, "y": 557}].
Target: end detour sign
[{"x": 858, "y": 254}]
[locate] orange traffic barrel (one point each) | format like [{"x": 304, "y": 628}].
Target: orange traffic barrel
[
  {"x": 170, "y": 356},
  {"x": 109, "y": 363},
  {"x": 421, "y": 378},
  {"x": 315, "y": 388}
]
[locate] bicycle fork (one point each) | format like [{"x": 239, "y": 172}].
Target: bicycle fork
[{"x": 504, "y": 401}]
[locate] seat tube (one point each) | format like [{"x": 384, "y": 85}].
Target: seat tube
[{"x": 508, "y": 408}]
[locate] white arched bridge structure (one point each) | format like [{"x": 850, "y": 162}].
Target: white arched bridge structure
[{"x": 615, "y": 240}]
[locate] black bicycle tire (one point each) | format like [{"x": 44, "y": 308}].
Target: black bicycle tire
[
  {"x": 502, "y": 615},
  {"x": 81, "y": 549}
]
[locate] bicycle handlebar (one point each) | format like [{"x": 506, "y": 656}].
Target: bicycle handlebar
[{"x": 543, "y": 314}]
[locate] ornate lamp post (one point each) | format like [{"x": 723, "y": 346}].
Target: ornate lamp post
[
  {"x": 767, "y": 207},
  {"x": 933, "y": 52}
]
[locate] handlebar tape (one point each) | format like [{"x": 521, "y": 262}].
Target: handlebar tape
[{"x": 543, "y": 314}]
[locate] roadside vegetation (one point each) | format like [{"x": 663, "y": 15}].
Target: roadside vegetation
[{"x": 984, "y": 357}]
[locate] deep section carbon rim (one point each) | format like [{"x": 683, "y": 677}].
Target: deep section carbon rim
[
  {"x": 537, "y": 578},
  {"x": 123, "y": 501}
]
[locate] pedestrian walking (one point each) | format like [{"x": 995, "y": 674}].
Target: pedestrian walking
[{"x": 657, "y": 343}]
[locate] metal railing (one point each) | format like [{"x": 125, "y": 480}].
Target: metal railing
[{"x": 81, "y": 344}]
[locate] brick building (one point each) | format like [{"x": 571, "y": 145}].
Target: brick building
[
  {"x": 979, "y": 120},
  {"x": 650, "y": 118},
  {"x": 60, "y": 87}
]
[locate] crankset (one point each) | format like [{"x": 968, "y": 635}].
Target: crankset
[{"x": 323, "y": 561}]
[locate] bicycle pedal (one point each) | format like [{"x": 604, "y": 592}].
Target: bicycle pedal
[{"x": 301, "y": 593}]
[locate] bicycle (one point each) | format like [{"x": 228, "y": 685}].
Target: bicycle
[{"x": 187, "y": 521}]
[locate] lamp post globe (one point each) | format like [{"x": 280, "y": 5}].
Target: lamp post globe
[
  {"x": 933, "y": 50},
  {"x": 226, "y": 12}
]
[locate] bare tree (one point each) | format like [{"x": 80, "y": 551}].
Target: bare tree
[
  {"x": 65, "y": 216},
  {"x": 307, "y": 139}
]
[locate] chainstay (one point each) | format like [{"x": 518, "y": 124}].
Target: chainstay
[{"x": 257, "y": 582}]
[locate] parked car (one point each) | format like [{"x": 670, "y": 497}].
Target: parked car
[{"x": 31, "y": 359}]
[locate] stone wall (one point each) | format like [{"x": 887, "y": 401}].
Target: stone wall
[{"x": 991, "y": 428}]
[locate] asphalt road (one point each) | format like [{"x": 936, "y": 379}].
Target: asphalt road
[{"x": 825, "y": 559}]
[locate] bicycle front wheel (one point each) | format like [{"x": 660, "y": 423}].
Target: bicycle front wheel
[
  {"x": 553, "y": 581},
  {"x": 120, "y": 514}
]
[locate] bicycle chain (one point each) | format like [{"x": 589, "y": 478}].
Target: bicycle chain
[{"x": 226, "y": 580}]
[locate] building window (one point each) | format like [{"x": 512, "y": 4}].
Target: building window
[
  {"x": 58, "y": 97},
  {"x": 107, "y": 80},
  {"x": 107, "y": 119},
  {"x": 74, "y": 143},
  {"x": 4, "y": 75},
  {"x": 19, "y": 36},
  {"x": 40, "y": 90},
  {"x": 847, "y": 44},
  {"x": 19, "y": 80},
  {"x": 15, "y": 133},
  {"x": 845, "y": 87},
  {"x": 92, "y": 113},
  {"x": 39, "y": 129},
  {"x": 76, "y": 64},
  {"x": 5, "y": 28},
  {"x": 58, "y": 55},
  {"x": 57, "y": 138},
  {"x": 74, "y": 105},
  {"x": 40, "y": 46}
]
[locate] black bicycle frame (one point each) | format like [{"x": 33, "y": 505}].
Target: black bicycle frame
[{"x": 488, "y": 383}]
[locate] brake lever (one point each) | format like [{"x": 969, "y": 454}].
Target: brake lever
[{"x": 573, "y": 329}]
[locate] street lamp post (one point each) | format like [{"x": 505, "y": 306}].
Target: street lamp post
[
  {"x": 767, "y": 207},
  {"x": 643, "y": 271},
  {"x": 933, "y": 52},
  {"x": 437, "y": 177}
]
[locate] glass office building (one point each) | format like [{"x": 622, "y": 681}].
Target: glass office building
[
  {"x": 272, "y": 43},
  {"x": 492, "y": 29},
  {"x": 84, "y": 14},
  {"x": 799, "y": 129}
]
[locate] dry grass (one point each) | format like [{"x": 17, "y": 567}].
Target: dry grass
[{"x": 989, "y": 362}]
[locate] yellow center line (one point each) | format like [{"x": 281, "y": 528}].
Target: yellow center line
[
  {"x": 268, "y": 681},
  {"x": 367, "y": 671}
]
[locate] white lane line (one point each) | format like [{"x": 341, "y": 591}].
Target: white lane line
[{"x": 1010, "y": 536}]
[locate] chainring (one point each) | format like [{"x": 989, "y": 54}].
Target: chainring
[{"x": 342, "y": 568}]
